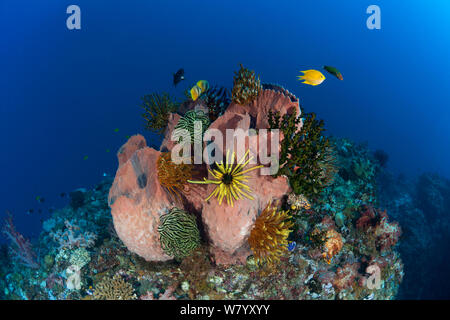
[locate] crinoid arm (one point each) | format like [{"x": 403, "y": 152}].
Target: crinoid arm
[
  {"x": 230, "y": 179},
  {"x": 173, "y": 177},
  {"x": 268, "y": 238},
  {"x": 157, "y": 108}
]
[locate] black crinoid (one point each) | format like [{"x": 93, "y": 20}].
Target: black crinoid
[
  {"x": 156, "y": 111},
  {"x": 217, "y": 99},
  {"x": 307, "y": 158}
]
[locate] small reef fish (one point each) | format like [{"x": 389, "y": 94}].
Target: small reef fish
[
  {"x": 178, "y": 76},
  {"x": 40, "y": 199},
  {"x": 195, "y": 92},
  {"x": 204, "y": 85},
  {"x": 85, "y": 157},
  {"x": 335, "y": 72},
  {"x": 116, "y": 130},
  {"x": 63, "y": 194},
  {"x": 201, "y": 87},
  {"x": 312, "y": 77}
]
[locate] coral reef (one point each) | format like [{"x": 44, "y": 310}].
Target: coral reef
[
  {"x": 156, "y": 111},
  {"x": 73, "y": 274},
  {"x": 246, "y": 87},
  {"x": 315, "y": 222},
  {"x": 80, "y": 257},
  {"x": 73, "y": 237},
  {"x": 167, "y": 295},
  {"x": 384, "y": 235},
  {"x": 179, "y": 234},
  {"x": 302, "y": 273},
  {"x": 268, "y": 238},
  {"x": 21, "y": 247},
  {"x": 114, "y": 288}
]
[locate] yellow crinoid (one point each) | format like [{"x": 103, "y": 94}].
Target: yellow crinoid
[
  {"x": 268, "y": 238},
  {"x": 230, "y": 179}
]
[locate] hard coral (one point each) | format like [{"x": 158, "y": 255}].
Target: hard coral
[
  {"x": 246, "y": 87},
  {"x": 114, "y": 288},
  {"x": 73, "y": 237},
  {"x": 156, "y": 111},
  {"x": 80, "y": 257},
  {"x": 268, "y": 238},
  {"x": 173, "y": 177},
  {"x": 179, "y": 234}
]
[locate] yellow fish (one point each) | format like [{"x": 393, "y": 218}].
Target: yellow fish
[
  {"x": 312, "y": 77},
  {"x": 204, "y": 85},
  {"x": 196, "y": 91}
]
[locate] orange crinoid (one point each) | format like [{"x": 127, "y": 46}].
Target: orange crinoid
[
  {"x": 173, "y": 176},
  {"x": 268, "y": 238}
]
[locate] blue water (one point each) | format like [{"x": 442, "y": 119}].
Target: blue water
[{"x": 63, "y": 93}]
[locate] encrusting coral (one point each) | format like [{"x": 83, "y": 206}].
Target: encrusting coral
[
  {"x": 173, "y": 177},
  {"x": 189, "y": 122},
  {"x": 156, "y": 111},
  {"x": 114, "y": 288},
  {"x": 246, "y": 87},
  {"x": 333, "y": 244},
  {"x": 230, "y": 179},
  {"x": 298, "y": 201},
  {"x": 179, "y": 234},
  {"x": 268, "y": 238}
]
